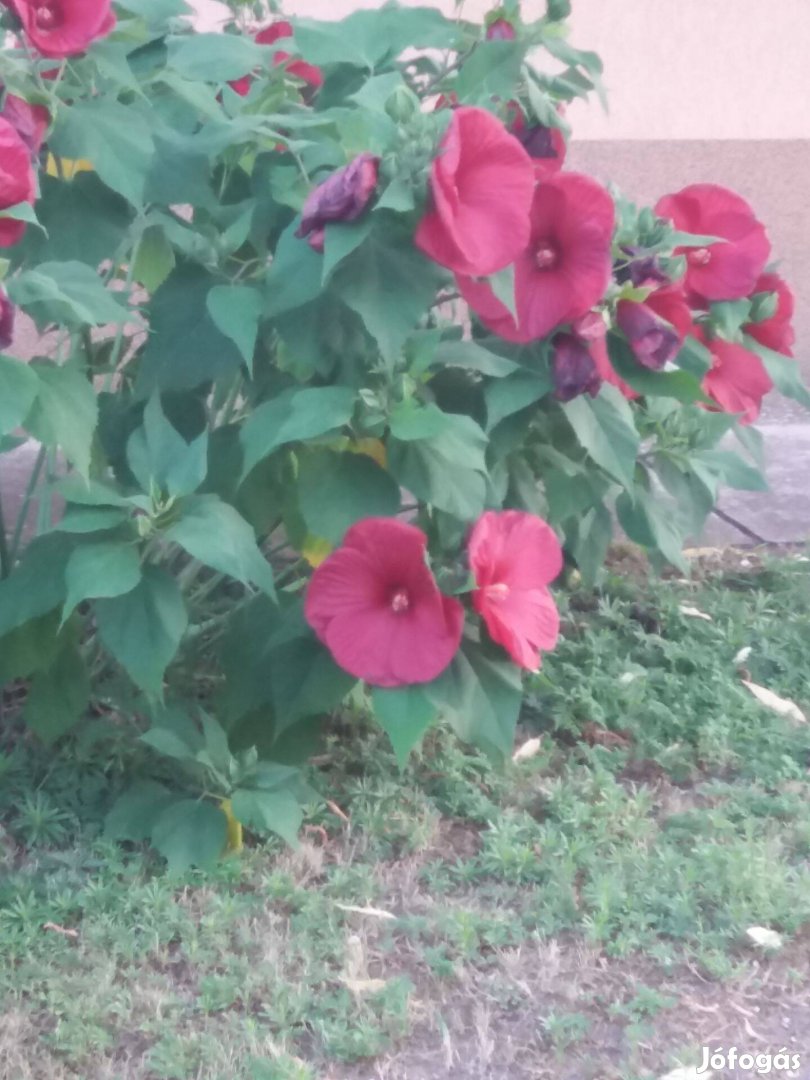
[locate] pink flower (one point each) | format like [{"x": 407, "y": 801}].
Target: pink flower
[
  {"x": 17, "y": 181},
  {"x": 720, "y": 271},
  {"x": 565, "y": 267},
  {"x": 501, "y": 30},
  {"x": 343, "y": 197},
  {"x": 653, "y": 341},
  {"x": 777, "y": 332},
  {"x": 29, "y": 121},
  {"x": 61, "y": 28},
  {"x": 6, "y": 320},
  {"x": 573, "y": 368},
  {"x": 737, "y": 379},
  {"x": 375, "y": 605},
  {"x": 481, "y": 184},
  {"x": 514, "y": 556},
  {"x": 299, "y": 69}
]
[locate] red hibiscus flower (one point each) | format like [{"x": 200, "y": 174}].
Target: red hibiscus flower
[
  {"x": 60, "y": 28},
  {"x": 669, "y": 302},
  {"x": 17, "y": 181},
  {"x": 299, "y": 69},
  {"x": 375, "y": 605},
  {"x": 29, "y": 121},
  {"x": 343, "y": 197},
  {"x": 481, "y": 185},
  {"x": 737, "y": 379},
  {"x": 514, "y": 556},
  {"x": 777, "y": 332},
  {"x": 6, "y": 320},
  {"x": 724, "y": 271},
  {"x": 564, "y": 269}
]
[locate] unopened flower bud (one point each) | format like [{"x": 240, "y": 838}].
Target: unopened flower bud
[
  {"x": 558, "y": 9},
  {"x": 764, "y": 306},
  {"x": 6, "y": 320},
  {"x": 653, "y": 341},
  {"x": 501, "y": 30},
  {"x": 402, "y": 105},
  {"x": 573, "y": 369},
  {"x": 639, "y": 269},
  {"x": 343, "y": 197}
]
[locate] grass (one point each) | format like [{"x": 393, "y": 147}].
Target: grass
[{"x": 581, "y": 914}]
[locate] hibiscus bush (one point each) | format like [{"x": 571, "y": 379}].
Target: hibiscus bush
[{"x": 340, "y": 366}]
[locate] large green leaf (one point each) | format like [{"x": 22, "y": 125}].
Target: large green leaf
[
  {"x": 268, "y": 812},
  {"x": 133, "y": 815},
  {"x": 336, "y": 490},
  {"x": 605, "y": 428},
  {"x": 365, "y": 39},
  {"x": 481, "y": 697},
  {"x": 491, "y": 72},
  {"x": 18, "y": 389},
  {"x": 216, "y": 534},
  {"x": 651, "y": 524},
  {"x": 214, "y": 57},
  {"x": 37, "y": 585},
  {"x": 591, "y": 536},
  {"x": 447, "y": 468},
  {"x": 236, "y": 310},
  {"x": 296, "y": 414},
  {"x": 783, "y": 370},
  {"x": 143, "y": 628},
  {"x": 190, "y": 833},
  {"x": 158, "y": 453},
  {"x": 185, "y": 346},
  {"x": 66, "y": 292},
  {"x": 682, "y": 385},
  {"x": 389, "y": 284},
  {"x": 405, "y": 714},
  {"x": 58, "y": 696},
  {"x": 294, "y": 277},
  {"x": 31, "y": 647},
  {"x": 65, "y": 412},
  {"x": 115, "y": 138},
  {"x": 507, "y": 396},
  {"x": 473, "y": 357},
  {"x": 109, "y": 568}
]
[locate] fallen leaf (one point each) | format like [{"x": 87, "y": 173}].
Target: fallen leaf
[
  {"x": 765, "y": 938},
  {"x": 783, "y": 706},
  {"x": 363, "y": 986},
  {"x": 333, "y": 806},
  {"x": 529, "y": 749},
  {"x": 596, "y": 735},
  {"x": 65, "y": 931},
  {"x": 376, "y": 913},
  {"x": 694, "y": 613},
  {"x": 742, "y": 655}
]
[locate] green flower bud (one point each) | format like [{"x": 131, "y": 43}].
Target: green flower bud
[
  {"x": 402, "y": 105},
  {"x": 763, "y": 306},
  {"x": 558, "y": 9}
]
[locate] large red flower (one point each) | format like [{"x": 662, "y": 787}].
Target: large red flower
[
  {"x": 720, "y": 271},
  {"x": 668, "y": 302},
  {"x": 777, "y": 332},
  {"x": 737, "y": 379},
  {"x": 481, "y": 185},
  {"x": 375, "y": 605},
  {"x": 299, "y": 69},
  {"x": 62, "y": 28},
  {"x": 17, "y": 181},
  {"x": 565, "y": 267},
  {"x": 29, "y": 121},
  {"x": 514, "y": 557}
]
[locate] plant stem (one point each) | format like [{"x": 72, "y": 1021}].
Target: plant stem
[
  {"x": 5, "y": 559},
  {"x": 22, "y": 516}
]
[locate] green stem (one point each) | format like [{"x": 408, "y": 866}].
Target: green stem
[
  {"x": 22, "y": 516},
  {"x": 5, "y": 559}
]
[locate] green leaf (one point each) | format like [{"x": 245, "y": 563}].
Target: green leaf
[
  {"x": 133, "y": 815},
  {"x": 58, "y": 696},
  {"x": 76, "y": 489},
  {"x": 142, "y": 630},
  {"x": 214, "y": 57},
  {"x": 189, "y": 833},
  {"x": 473, "y": 357},
  {"x": 37, "y": 585},
  {"x": 100, "y": 570},
  {"x": 185, "y": 347},
  {"x": 79, "y": 520},
  {"x": 651, "y": 524},
  {"x": 66, "y": 292},
  {"x": 116, "y": 138},
  {"x": 728, "y": 318},
  {"x": 694, "y": 357},
  {"x": 154, "y": 260},
  {"x": 341, "y": 239},
  {"x": 336, "y": 490},
  {"x": 18, "y": 390},
  {"x": 296, "y": 414},
  {"x": 492, "y": 71},
  {"x": 605, "y": 428},
  {"x": 405, "y": 714},
  {"x": 31, "y": 647},
  {"x": 236, "y": 311},
  {"x": 65, "y": 412},
  {"x": 23, "y": 211},
  {"x": 365, "y": 39},
  {"x": 592, "y": 536},
  {"x": 503, "y": 288},
  {"x": 168, "y": 743},
  {"x": 514, "y": 393},
  {"x": 733, "y": 470},
  {"x": 268, "y": 812},
  {"x": 481, "y": 698},
  {"x": 683, "y": 386},
  {"x": 216, "y": 534},
  {"x": 157, "y": 452},
  {"x": 389, "y": 284},
  {"x": 783, "y": 370},
  {"x": 447, "y": 469},
  {"x": 295, "y": 274}
]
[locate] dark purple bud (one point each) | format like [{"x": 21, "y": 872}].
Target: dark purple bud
[
  {"x": 573, "y": 369},
  {"x": 538, "y": 141},
  {"x": 6, "y": 320},
  {"x": 501, "y": 30},
  {"x": 640, "y": 269},
  {"x": 653, "y": 341},
  {"x": 343, "y": 197}
]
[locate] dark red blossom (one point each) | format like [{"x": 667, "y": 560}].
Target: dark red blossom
[
  {"x": 514, "y": 557},
  {"x": 565, "y": 267},
  {"x": 343, "y": 197},
  {"x": 546, "y": 146},
  {"x": 17, "y": 181},
  {"x": 737, "y": 379},
  {"x": 481, "y": 186},
  {"x": 669, "y": 302},
  {"x": 60, "y": 28},
  {"x": 299, "y": 69},
  {"x": 375, "y": 605},
  {"x": 727, "y": 270},
  {"x": 573, "y": 368},
  {"x": 6, "y": 320},
  {"x": 775, "y": 332},
  {"x": 29, "y": 121},
  {"x": 654, "y": 342}
]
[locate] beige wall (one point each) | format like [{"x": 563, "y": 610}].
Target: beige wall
[{"x": 675, "y": 69}]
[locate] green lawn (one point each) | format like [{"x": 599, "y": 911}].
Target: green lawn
[{"x": 580, "y": 914}]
